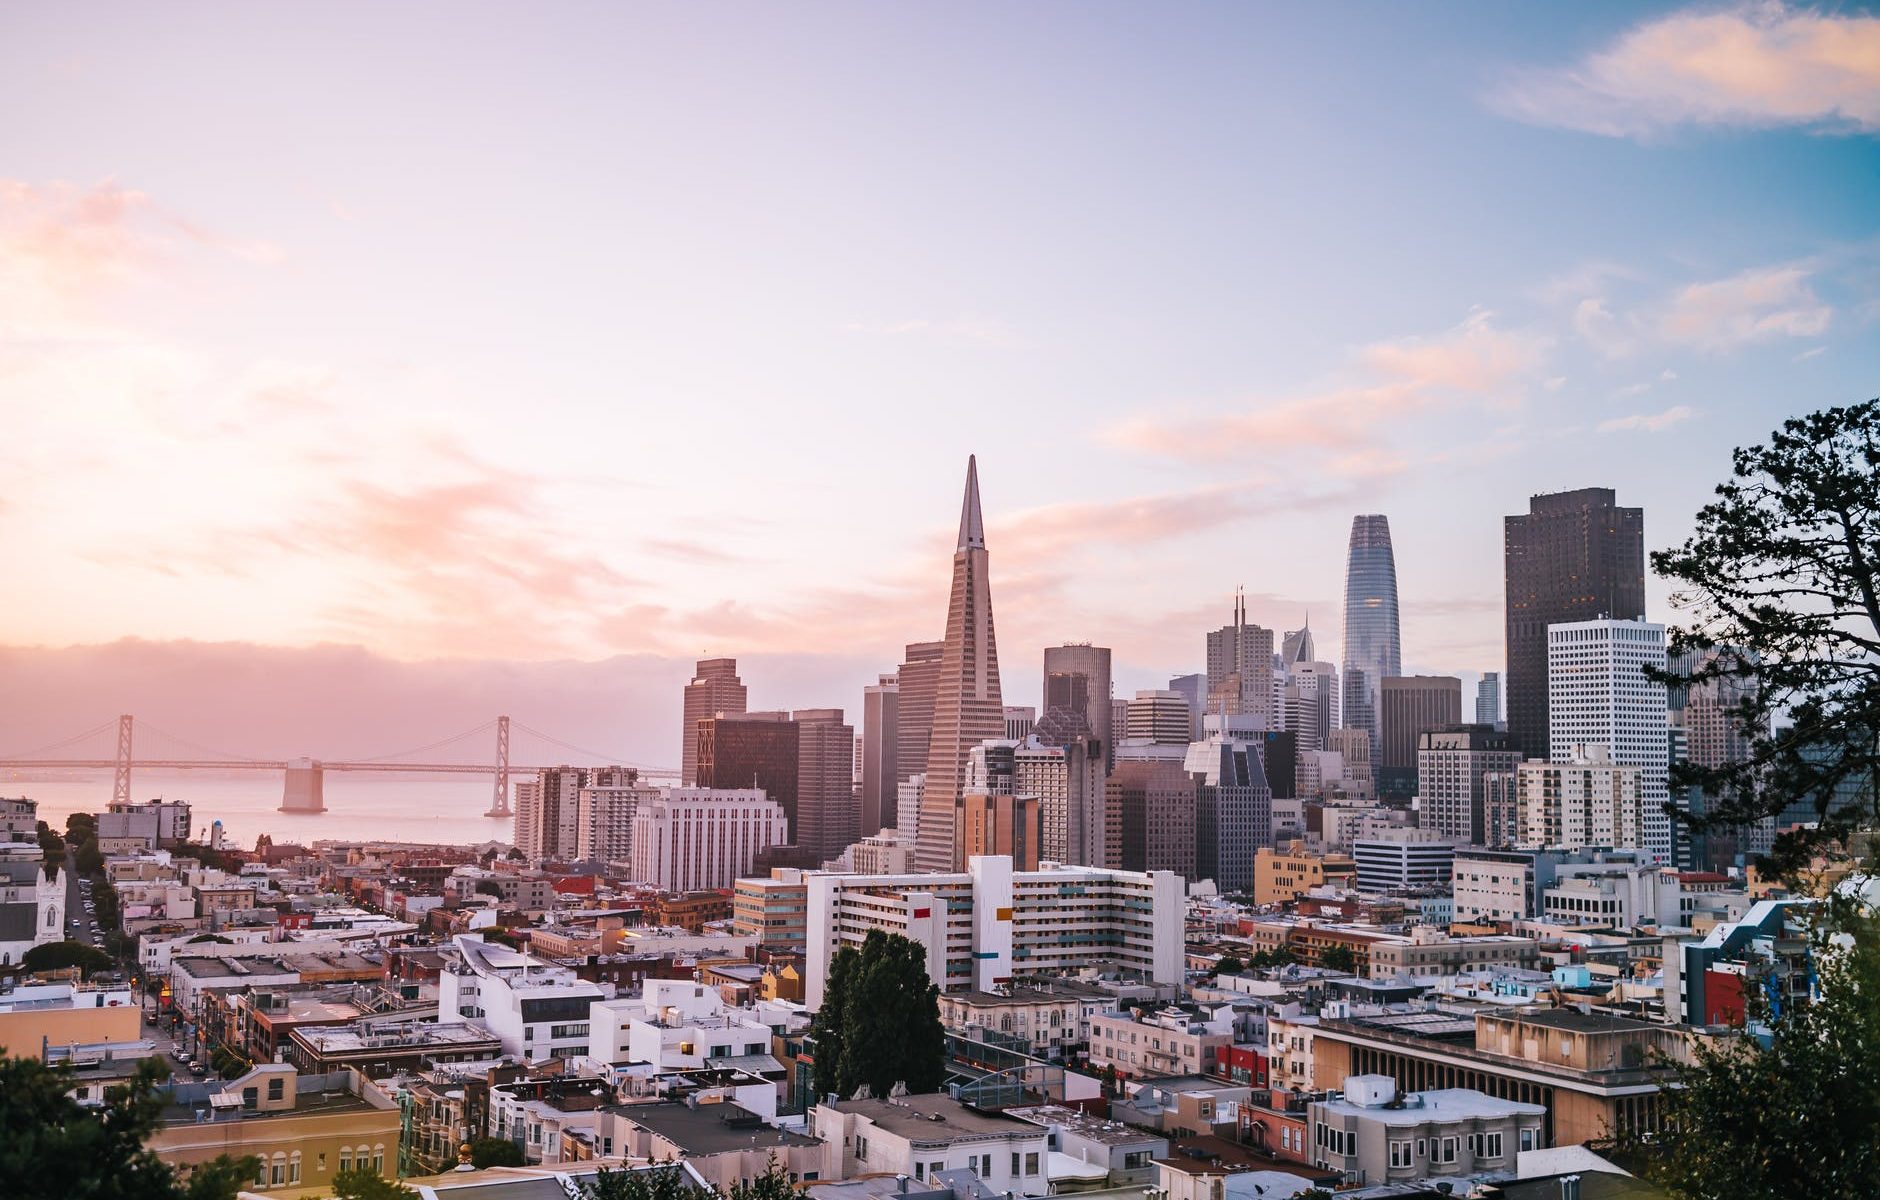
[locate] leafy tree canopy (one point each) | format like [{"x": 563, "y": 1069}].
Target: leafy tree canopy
[
  {"x": 1229, "y": 965},
  {"x": 879, "y": 1024},
  {"x": 55, "y": 1148},
  {"x": 365, "y": 1185},
  {"x": 1779, "y": 585},
  {"x": 1797, "y": 1118},
  {"x": 663, "y": 1182},
  {"x": 494, "y": 1152},
  {"x": 54, "y": 956},
  {"x": 1338, "y": 958}
]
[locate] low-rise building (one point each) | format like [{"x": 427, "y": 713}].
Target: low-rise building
[
  {"x": 1053, "y": 1015},
  {"x": 538, "y": 1009},
  {"x": 989, "y": 924},
  {"x": 674, "y": 1025},
  {"x": 1283, "y": 875},
  {"x": 1391, "y": 860},
  {"x": 1155, "y": 1042},
  {"x": 1126, "y": 1154},
  {"x": 773, "y": 909},
  {"x": 1371, "y": 1135},
  {"x": 304, "y": 1130},
  {"x": 724, "y": 1142},
  {"x": 1429, "y": 951},
  {"x": 378, "y": 1050},
  {"x": 917, "y": 1136},
  {"x": 37, "y": 1016}
]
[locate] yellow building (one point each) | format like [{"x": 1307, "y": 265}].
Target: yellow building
[
  {"x": 1283, "y": 875},
  {"x": 304, "y": 1129},
  {"x": 37, "y": 1016}
]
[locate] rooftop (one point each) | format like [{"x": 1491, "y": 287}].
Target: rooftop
[
  {"x": 932, "y": 1118},
  {"x": 1084, "y": 1125},
  {"x": 707, "y": 1128},
  {"x": 1442, "y": 1104}
]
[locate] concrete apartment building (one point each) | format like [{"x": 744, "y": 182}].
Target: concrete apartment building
[
  {"x": 1586, "y": 799},
  {"x": 1157, "y": 1042},
  {"x": 304, "y": 1130},
  {"x": 539, "y": 1009},
  {"x": 1593, "y": 1074},
  {"x": 1613, "y": 890},
  {"x": 1373, "y": 1135},
  {"x": 1282, "y": 875},
  {"x": 1054, "y": 1015},
  {"x": 690, "y": 839},
  {"x": 1492, "y": 886},
  {"x": 1452, "y": 764},
  {"x": 988, "y": 924},
  {"x": 1401, "y": 859},
  {"x": 773, "y": 909},
  {"x": 917, "y": 1136},
  {"x": 674, "y": 1025}
]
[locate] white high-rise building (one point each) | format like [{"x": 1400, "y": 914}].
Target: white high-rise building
[
  {"x": 688, "y": 839},
  {"x": 1308, "y": 706},
  {"x": 1587, "y": 800},
  {"x": 982, "y": 926},
  {"x": 549, "y": 824},
  {"x": 605, "y": 815},
  {"x": 1598, "y": 694}
]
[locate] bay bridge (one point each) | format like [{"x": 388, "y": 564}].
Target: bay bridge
[{"x": 303, "y": 788}]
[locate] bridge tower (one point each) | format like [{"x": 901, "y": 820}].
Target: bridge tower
[
  {"x": 499, "y": 804},
  {"x": 121, "y": 780}
]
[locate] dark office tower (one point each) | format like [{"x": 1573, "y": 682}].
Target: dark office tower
[
  {"x": 1279, "y": 754},
  {"x": 1373, "y": 647},
  {"x": 1155, "y": 804},
  {"x": 1410, "y": 705},
  {"x": 1194, "y": 689},
  {"x": 1233, "y": 812},
  {"x": 1077, "y": 678},
  {"x": 827, "y": 820},
  {"x": 1575, "y": 556},
  {"x": 967, "y": 708},
  {"x": 881, "y": 714},
  {"x": 919, "y": 672},
  {"x": 715, "y": 688},
  {"x": 744, "y": 750}
]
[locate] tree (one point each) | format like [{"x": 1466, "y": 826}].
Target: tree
[
  {"x": 829, "y": 1030},
  {"x": 221, "y": 1178},
  {"x": 489, "y": 887},
  {"x": 773, "y": 1184},
  {"x": 362, "y": 1184},
  {"x": 1338, "y": 957},
  {"x": 1783, "y": 573},
  {"x": 1795, "y": 1118},
  {"x": 89, "y": 858},
  {"x": 666, "y": 1181},
  {"x": 80, "y": 826},
  {"x": 884, "y": 1014},
  {"x": 495, "y": 1152},
  {"x": 1229, "y": 965},
  {"x": 54, "y": 1148},
  {"x": 55, "y": 956}
]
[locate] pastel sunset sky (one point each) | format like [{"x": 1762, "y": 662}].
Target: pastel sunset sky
[{"x": 566, "y": 333}]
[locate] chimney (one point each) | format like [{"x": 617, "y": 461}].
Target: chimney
[
  {"x": 1569, "y": 1187},
  {"x": 900, "y": 1184}
]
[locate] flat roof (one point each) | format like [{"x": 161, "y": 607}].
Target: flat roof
[
  {"x": 707, "y": 1128},
  {"x": 1442, "y": 1104},
  {"x": 1573, "y": 1020},
  {"x": 912, "y": 1117},
  {"x": 1084, "y": 1125}
]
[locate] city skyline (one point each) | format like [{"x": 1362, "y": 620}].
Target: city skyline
[{"x": 454, "y": 446}]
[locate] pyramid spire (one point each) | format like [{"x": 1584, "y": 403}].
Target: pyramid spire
[{"x": 972, "y": 525}]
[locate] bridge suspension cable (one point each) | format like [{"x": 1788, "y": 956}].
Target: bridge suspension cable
[
  {"x": 198, "y": 748},
  {"x": 617, "y": 759},
  {"x": 89, "y": 733},
  {"x": 486, "y": 727}
]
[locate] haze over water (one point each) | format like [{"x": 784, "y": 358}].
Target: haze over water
[{"x": 358, "y": 806}]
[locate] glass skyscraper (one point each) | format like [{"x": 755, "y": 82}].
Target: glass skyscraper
[{"x": 1373, "y": 647}]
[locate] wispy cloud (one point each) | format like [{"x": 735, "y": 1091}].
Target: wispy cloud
[
  {"x": 1648, "y": 422},
  {"x": 1752, "y": 306},
  {"x": 1753, "y": 65},
  {"x": 1475, "y": 362}
]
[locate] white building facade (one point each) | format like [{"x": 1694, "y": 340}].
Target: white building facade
[
  {"x": 1598, "y": 694},
  {"x": 690, "y": 839}
]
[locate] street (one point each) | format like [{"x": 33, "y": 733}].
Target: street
[{"x": 75, "y": 898}]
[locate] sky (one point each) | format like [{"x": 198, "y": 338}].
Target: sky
[{"x": 509, "y": 341}]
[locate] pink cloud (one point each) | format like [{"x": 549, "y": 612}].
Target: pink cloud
[
  {"x": 1475, "y": 362},
  {"x": 1755, "y": 65}
]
